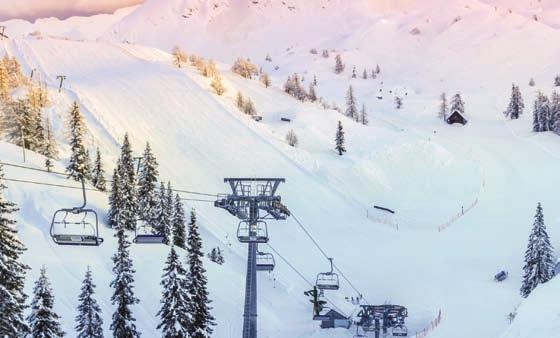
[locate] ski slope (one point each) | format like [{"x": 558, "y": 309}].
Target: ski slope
[{"x": 406, "y": 160}]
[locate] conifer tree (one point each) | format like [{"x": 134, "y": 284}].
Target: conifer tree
[
  {"x": 89, "y": 166},
  {"x": 202, "y": 319},
  {"x": 4, "y": 83},
  {"x": 373, "y": 74},
  {"x": 457, "y": 103},
  {"x": 24, "y": 125},
  {"x": 249, "y": 107},
  {"x": 364, "y": 74},
  {"x": 51, "y": 148},
  {"x": 178, "y": 224},
  {"x": 77, "y": 168},
  {"x": 364, "y": 116},
  {"x": 98, "y": 173},
  {"x": 147, "y": 184},
  {"x": 89, "y": 323},
  {"x": 315, "y": 80},
  {"x": 443, "y": 108},
  {"x": 555, "y": 112},
  {"x": 265, "y": 79},
  {"x": 541, "y": 112},
  {"x": 115, "y": 199},
  {"x": 338, "y": 66},
  {"x": 377, "y": 69},
  {"x": 123, "y": 297},
  {"x": 398, "y": 102},
  {"x": 12, "y": 271},
  {"x": 539, "y": 264},
  {"x": 339, "y": 140},
  {"x": 43, "y": 321},
  {"x": 239, "y": 101},
  {"x": 291, "y": 138},
  {"x": 354, "y": 72},
  {"x": 162, "y": 218},
  {"x": 312, "y": 94},
  {"x": 129, "y": 206},
  {"x": 516, "y": 105},
  {"x": 351, "y": 110},
  {"x": 176, "y": 306},
  {"x": 531, "y": 82},
  {"x": 557, "y": 81}
]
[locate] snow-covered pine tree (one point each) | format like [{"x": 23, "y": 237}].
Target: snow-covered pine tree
[
  {"x": 123, "y": 297},
  {"x": 89, "y": 166},
  {"x": 373, "y": 74},
  {"x": 126, "y": 168},
  {"x": 312, "y": 95},
  {"x": 23, "y": 125},
  {"x": 531, "y": 82},
  {"x": 516, "y": 105},
  {"x": 202, "y": 319},
  {"x": 176, "y": 307},
  {"x": 115, "y": 201},
  {"x": 219, "y": 257},
  {"x": 364, "y": 74},
  {"x": 377, "y": 69},
  {"x": 364, "y": 116},
  {"x": 98, "y": 173},
  {"x": 354, "y": 75},
  {"x": 12, "y": 271},
  {"x": 555, "y": 112},
  {"x": 51, "y": 147},
  {"x": 147, "y": 184},
  {"x": 443, "y": 108},
  {"x": 161, "y": 218},
  {"x": 457, "y": 103},
  {"x": 338, "y": 65},
  {"x": 179, "y": 57},
  {"x": 89, "y": 322},
  {"x": 557, "y": 81},
  {"x": 178, "y": 224},
  {"x": 539, "y": 263},
  {"x": 212, "y": 255},
  {"x": 170, "y": 205},
  {"x": 541, "y": 113},
  {"x": 77, "y": 168},
  {"x": 351, "y": 110},
  {"x": 43, "y": 321},
  {"x": 325, "y": 53},
  {"x": 339, "y": 139}
]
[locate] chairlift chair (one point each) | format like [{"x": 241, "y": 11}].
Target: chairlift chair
[
  {"x": 66, "y": 224},
  {"x": 265, "y": 261},
  {"x": 328, "y": 280},
  {"x": 252, "y": 233},
  {"x": 399, "y": 331},
  {"x": 143, "y": 235}
]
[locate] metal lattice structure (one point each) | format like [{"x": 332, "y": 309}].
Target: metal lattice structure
[
  {"x": 3, "y": 33},
  {"x": 252, "y": 201},
  {"x": 61, "y": 78},
  {"x": 381, "y": 318}
]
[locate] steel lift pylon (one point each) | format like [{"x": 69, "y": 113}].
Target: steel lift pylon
[{"x": 253, "y": 200}]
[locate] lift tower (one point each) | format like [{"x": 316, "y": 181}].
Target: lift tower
[{"x": 253, "y": 200}]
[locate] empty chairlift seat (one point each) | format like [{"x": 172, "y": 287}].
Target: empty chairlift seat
[
  {"x": 285, "y": 119},
  {"x": 265, "y": 262},
  {"x": 328, "y": 280},
  {"x": 145, "y": 235},
  {"x": 252, "y": 233},
  {"x": 257, "y": 118},
  {"x": 399, "y": 331},
  {"x": 76, "y": 226}
]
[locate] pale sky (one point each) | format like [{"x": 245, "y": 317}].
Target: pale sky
[{"x": 33, "y": 9}]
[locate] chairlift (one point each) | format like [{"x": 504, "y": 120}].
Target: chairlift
[
  {"x": 252, "y": 233},
  {"x": 143, "y": 234},
  {"x": 328, "y": 280},
  {"x": 265, "y": 261},
  {"x": 76, "y": 226},
  {"x": 257, "y": 118},
  {"x": 399, "y": 331}
]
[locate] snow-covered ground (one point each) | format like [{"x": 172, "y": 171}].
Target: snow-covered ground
[{"x": 119, "y": 70}]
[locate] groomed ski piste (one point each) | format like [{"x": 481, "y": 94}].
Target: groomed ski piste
[{"x": 439, "y": 258}]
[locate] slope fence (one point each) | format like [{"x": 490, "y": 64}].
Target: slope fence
[
  {"x": 431, "y": 327},
  {"x": 377, "y": 219}
]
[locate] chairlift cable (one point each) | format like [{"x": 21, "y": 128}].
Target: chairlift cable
[
  {"x": 328, "y": 257},
  {"x": 303, "y": 277}
]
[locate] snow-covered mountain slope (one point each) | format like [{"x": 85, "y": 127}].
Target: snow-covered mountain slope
[{"x": 406, "y": 160}]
